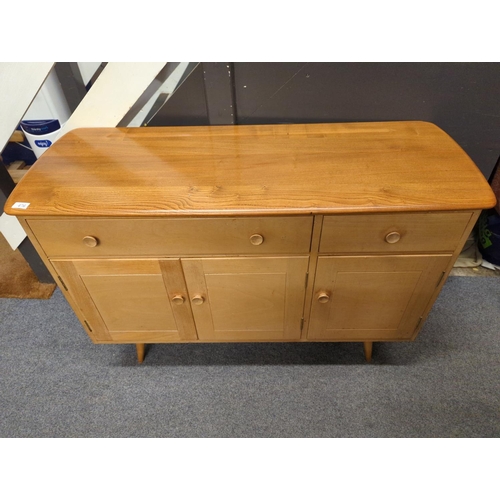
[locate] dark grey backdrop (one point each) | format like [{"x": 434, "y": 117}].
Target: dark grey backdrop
[{"x": 461, "y": 98}]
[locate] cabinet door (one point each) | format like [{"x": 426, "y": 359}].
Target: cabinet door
[
  {"x": 245, "y": 299},
  {"x": 130, "y": 300},
  {"x": 373, "y": 297}
]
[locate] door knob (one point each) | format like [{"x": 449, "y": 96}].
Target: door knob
[
  {"x": 90, "y": 241},
  {"x": 197, "y": 300},
  {"x": 393, "y": 237},
  {"x": 256, "y": 239},
  {"x": 178, "y": 299},
  {"x": 323, "y": 297}
]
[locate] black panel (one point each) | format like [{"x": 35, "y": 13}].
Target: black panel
[
  {"x": 219, "y": 93},
  {"x": 258, "y": 91},
  {"x": 7, "y": 185},
  {"x": 71, "y": 81},
  {"x": 461, "y": 98},
  {"x": 188, "y": 105},
  {"x": 35, "y": 262}
]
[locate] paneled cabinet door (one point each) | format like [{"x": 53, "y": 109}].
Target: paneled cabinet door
[
  {"x": 372, "y": 297},
  {"x": 143, "y": 300},
  {"x": 245, "y": 299}
]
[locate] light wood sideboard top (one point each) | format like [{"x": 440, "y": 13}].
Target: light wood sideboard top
[{"x": 252, "y": 169}]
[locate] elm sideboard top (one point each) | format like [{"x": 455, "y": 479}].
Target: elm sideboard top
[{"x": 248, "y": 170}]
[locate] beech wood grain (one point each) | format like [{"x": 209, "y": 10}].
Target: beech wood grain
[
  {"x": 247, "y": 298},
  {"x": 393, "y": 233},
  {"x": 373, "y": 297},
  {"x": 179, "y": 236}
]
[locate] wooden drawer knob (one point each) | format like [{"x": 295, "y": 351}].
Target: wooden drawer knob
[
  {"x": 323, "y": 297},
  {"x": 90, "y": 241},
  {"x": 393, "y": 237},
  {"x": 256, "y": 239},
  {"x": 197, "y": 300},
  {"x": 178, "y": 299}
]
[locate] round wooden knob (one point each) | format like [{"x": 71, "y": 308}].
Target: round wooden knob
[
  {"x": 197, "y": 300},
  {"x": 256, "y": 239},
  {"x": 323, "y": 297},
  {"x": 90, "y": 241},
  {"x": 178, "y": 299},
  {"x": 393, "y": 237}
]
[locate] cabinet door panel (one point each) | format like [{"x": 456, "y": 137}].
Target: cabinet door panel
[
  {"x": 372, "y": 297},
  {"x": 140, "y": 304},
  {"x": 247, "y": 298},
  {"x": 130, "y": 300},
  {"x": 258, "y": 298}
]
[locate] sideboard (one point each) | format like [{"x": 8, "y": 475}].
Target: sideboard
[{"x": 268, "y": 233}]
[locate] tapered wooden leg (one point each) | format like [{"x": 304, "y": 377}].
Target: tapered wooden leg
[
  {"x": 368, "y": 350},
  {"x": 140, "y": 352}
]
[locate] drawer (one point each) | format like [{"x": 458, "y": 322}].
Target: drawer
[
  {"x": 388, "y": 233},
  {"x": 156, "y": 237}
]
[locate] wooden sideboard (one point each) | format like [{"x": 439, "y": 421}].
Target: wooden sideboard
[{"x": 296, "y": 233}]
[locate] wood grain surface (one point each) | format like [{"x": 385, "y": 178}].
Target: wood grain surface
[
  {"x": 179, "y": 236},
  {"x": 373, "y": 297},
  {"x": 257, "y": 169},
  {"x": 437, "y": 232},
  {"x": 254, "y": 298}
]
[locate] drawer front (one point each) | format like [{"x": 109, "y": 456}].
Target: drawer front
[
  {"x": 388, "y": 233},
  {"x": 150, "y": 237}
]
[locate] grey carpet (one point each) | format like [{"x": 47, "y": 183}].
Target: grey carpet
[{"x": 56, "y": 383}]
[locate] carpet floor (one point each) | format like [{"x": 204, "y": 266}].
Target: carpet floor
[
  {"x": 55, "y": 383},
  {"x": 17, "y": 279}
]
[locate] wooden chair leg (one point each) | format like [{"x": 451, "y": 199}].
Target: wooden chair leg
[
  {"x": 140, "y": 352},
  {"x": 368, "y": 350}
]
